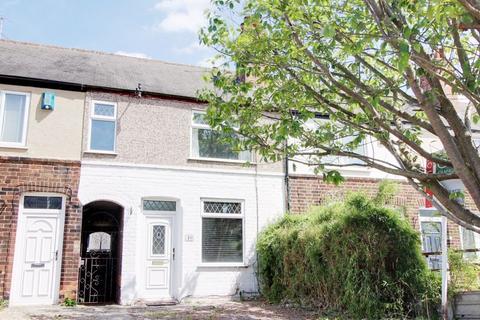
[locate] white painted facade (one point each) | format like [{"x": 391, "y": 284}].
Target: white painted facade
[{"x": 262, "y": 196}]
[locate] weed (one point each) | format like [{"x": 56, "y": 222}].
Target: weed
[{"x": 69, "y": 302}]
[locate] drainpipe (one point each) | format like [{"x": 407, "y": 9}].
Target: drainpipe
[{"x": 287, "y": 182}]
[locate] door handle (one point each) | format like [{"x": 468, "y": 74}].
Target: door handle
[
  {"x": 173, "y": 253},
  {"x": 56, "y": 255}
]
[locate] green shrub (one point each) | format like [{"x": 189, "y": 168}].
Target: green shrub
[
  {"x": 464, "y": 275},
  {"x": 355, "y": 257}
]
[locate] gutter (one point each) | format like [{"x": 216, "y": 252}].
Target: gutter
[{"x": 80, "y": 87}]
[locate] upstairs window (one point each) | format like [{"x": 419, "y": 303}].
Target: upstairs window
[
  {"x": 103, "y": 126},
  {"x": 13, "y": 118},
  {"x": 208, "y": 143},
  {"x": 361, "y": 149}
]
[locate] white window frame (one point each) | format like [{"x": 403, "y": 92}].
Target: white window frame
[
  {"x": 427, "y": 219},
  {"x": 240, "y": 215},
  {"x": 102, "y": 118},
  {"x": 435, "y": 218},
  {"x": 194, "y": 125},
  {"x": 23, "y": 141},
  {"x": 476, "y": 239}
]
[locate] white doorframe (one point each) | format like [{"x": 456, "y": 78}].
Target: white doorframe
[
  {"x": 23, "y": 213},
  {"x": 156, "y": 220},
  {"x": 151, "y": 217}
]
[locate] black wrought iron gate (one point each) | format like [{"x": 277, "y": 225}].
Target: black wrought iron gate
[
  {"x": 96, "y": 279},
  {"x": 99, "y": 278}
]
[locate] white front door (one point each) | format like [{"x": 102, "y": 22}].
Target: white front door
[
  {"x": 37, "y": 260},
  {"x": 159, "y": 255}
]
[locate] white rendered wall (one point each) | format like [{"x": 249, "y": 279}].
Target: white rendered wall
[{"x": 127, "y": 185}]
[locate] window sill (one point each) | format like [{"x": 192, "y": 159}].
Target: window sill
[
  {"x": 221, "y": 160},
  {"x": 12, "y": 146},
  {"x": 111, "y": 153},
  {"x": 222, "y": 265}
]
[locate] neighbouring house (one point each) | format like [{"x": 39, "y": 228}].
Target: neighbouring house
[
  {"x": 305, "y": 189},
  {"x": 161, "y": 209},
  {"x": 40, "y": 153}
]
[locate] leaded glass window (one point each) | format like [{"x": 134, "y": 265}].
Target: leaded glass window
[
  {"x": 222, "y": 232},
  {"x": 158, "y": 240},
  {"x": 159, "y": 205},
  {"x": 222, "y": 207}
]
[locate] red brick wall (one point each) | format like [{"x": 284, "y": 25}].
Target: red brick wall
[
  {"x": 20, "y": 175},
  {"x": 308, "y": 190}
]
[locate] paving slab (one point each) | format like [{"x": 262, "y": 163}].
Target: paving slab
[{"x": 206, "y": 309}]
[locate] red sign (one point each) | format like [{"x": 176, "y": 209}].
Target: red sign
[{"x": 429, "y": 169}]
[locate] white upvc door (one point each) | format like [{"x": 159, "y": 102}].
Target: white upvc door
[
  {"x": 159, "y": 257},
  {"x": 37, "y": 257}
]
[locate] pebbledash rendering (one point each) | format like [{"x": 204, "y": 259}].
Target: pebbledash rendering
[{"x": 113, "y": 188}]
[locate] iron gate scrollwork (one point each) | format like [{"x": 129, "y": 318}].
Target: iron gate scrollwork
[
  {"x": 98, "y": 269},
  {"x": 96, "y": 279}
]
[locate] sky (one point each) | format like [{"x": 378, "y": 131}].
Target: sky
[{"x": 156, "y": 29}]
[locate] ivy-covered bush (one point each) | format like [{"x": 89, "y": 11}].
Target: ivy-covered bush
[{"x": 356, "y": 257}]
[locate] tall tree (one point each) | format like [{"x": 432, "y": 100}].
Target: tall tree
[{"x": 381, "y": 71}]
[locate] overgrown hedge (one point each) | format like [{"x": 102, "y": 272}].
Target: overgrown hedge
[{"x": 356, "y": 257}]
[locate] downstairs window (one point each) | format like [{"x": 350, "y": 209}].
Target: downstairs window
[{"x": 222, "y": 232}]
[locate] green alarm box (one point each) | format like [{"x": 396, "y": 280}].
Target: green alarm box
[{"x": 48, "y": 101}]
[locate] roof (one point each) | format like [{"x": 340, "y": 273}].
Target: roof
[{"x": 99, "y": 69}]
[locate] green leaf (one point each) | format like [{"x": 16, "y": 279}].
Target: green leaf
[
  {"x": 333, "y": 176},
  {"x": 329, "y": 31},
  {"x": 404, "y": 55},
  {"x": 476, "y": 118}
]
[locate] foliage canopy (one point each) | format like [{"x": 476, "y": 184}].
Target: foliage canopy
[{"x": 382, "y": 72}]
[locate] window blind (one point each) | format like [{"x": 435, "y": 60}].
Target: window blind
[{"x": 222, "y": 240}]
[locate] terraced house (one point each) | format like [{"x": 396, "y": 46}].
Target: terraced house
[
  {"x": 160, "y": 209},
  {"x": 114, "y": 189}
]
